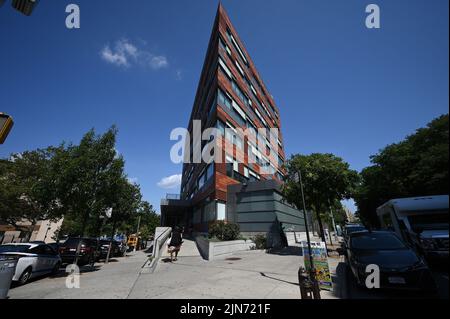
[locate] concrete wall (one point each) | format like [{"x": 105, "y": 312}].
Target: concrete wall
[
  {"x": 213, "y": 250},
  {"x": 259, "y": 207}
]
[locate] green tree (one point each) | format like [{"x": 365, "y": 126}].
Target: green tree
[
  {"x": 326, "y": 179},
  {"x": 149, "y": 220},
  {"x": 83, "y": 175},
  {"x": 417, "y": 166},
  {"x": 28, "y": 191}
]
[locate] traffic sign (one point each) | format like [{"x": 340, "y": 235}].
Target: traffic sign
[
  {"x": 24, "y": 6},
  {"x": 6, "y": 123}
]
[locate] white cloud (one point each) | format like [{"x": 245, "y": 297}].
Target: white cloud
[
  {"x": 179, "y": 75},
  {"x": 125, "y": 54},
  {"x": 133, "y": 180},
  {"x": 117, "y": 58},
  {"x": 170, "y": 182}
]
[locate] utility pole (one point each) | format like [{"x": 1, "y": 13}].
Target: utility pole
[
  {"x": 315, "y": 284},
  {"x": 334, "y": 224},
  {"x": 137, "y": 232}
]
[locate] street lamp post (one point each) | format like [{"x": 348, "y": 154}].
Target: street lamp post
[
  {"x": 316, "y": 290},
  {"x": 334, "y": 224},
  {"x": 137, "y": 232}
]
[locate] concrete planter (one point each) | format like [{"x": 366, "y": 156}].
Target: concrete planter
[{"x": 215, "y": 250}]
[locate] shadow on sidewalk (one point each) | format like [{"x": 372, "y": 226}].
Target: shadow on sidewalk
[
  {"x": 277, "y": 279},
  {"x": 340, "y": 281},
  {"x": 286, "y": 251}
]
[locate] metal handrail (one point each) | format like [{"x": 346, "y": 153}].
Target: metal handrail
[{"x": 157, "y": 243}]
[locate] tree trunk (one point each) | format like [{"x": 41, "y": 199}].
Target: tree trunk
[
  {"x": 110, "y": 242},
  {"x": 321, "y": 232},
  {"x": 83, "y": 229}
]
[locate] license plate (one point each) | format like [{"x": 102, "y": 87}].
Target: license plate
[
  {"x": 72, "y": 250},
  {"x": 396, "y": 280}
]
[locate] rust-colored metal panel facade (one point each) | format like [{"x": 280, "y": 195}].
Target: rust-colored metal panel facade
[{"x": 230, "y": 94}]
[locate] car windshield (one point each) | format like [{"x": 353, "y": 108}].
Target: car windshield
[
  {"x": 374, "y": 241},
  {"x": 429, "y": 221},
  {"x": 14, "y": 248},
  {"x": 355, "y": 229},
  {"x": 72, "y": 242}
]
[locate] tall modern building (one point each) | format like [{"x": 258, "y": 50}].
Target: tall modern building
[{"x": 243, "y": 187}]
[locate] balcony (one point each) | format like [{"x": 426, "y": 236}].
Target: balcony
[{"x": 173, "y": 196}]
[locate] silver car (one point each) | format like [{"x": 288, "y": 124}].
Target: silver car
[{"x": 34, "y": 260}]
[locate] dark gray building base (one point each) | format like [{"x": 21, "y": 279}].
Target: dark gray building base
[{"x": 259, "y": 208}]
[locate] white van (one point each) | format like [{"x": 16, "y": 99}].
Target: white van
[{"x": 423, "y": 222}]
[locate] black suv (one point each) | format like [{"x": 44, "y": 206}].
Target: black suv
[{"x": 89, "y": 250}]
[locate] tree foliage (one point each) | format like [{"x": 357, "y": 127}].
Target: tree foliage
[
  {"x": 417, "y": 166},
  {"x": 28, "y": 189},
  {"x": 327, "y": 179},
  {"x": 78, "y": 182}
]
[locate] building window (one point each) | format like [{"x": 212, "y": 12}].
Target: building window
[
  {"x": 221, "y": 211},
  {"x": 209, "y": 171},
  {"x": 221, "y": 127},
  {"x": 240, "y": 93},
  {"x": 201, "y": 180},
  {"x": 237, "y": 47},
  {"x": 260, "y": 117},
  {"x": 241, "y": 71},
  {"x": 239, "y": 113},
  {"x": 232, "y": 136},
  {"x": 225, "y": 68},
  {"x": 224, "y": 99},
  {"x": 253, "y": 176}
]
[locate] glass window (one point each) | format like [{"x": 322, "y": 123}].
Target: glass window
[
  {"x": 201, "y": 180},
  {"x": 14, "y": 248},
  {"x": 210, "y": 171},
  {"x": 221, "y": 211},
  {"x": 225, "y": 68},
  {"x": 237, "y": 47},
  {"x": 246, "y": 172},
  {"x": 224, "y": 99},
  {"x": 221, "y": 127},
  {"x": 239, "y": 93},
  {"x": 429, "y": 221},
  {"x": 241, "y": 71}
]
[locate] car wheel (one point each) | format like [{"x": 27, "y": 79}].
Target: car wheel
[
  {"x": 26, "y": 275},
  {"x": 56, "y": 268},
  {"x": 92, "y": 260}
]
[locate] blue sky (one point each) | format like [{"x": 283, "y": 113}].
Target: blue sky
[{"x": 340, "y": 87}]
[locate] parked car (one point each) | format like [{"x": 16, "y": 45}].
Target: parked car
[
  {"x": 351, "y": 228},
  {"x": 116, "y": 248},
  {"x": 89, "y": 250},
  {"x": 55, "y": 246},
  {"x": 422, "y": 222},
  {"x": 34, "y": 260},
  {"x": 400, "y": 266}
]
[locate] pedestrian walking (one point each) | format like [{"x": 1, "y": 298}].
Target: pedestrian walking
[{"x": 176, "y": 240}]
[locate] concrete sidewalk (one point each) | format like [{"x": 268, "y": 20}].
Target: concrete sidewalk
[
  {"x": 244, "y": 275},
  {"x": 113, "y": 280}
]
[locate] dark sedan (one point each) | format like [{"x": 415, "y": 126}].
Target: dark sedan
[
  {"x": 115, "y": 248},
  {"x": 400, "y": 266}
]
